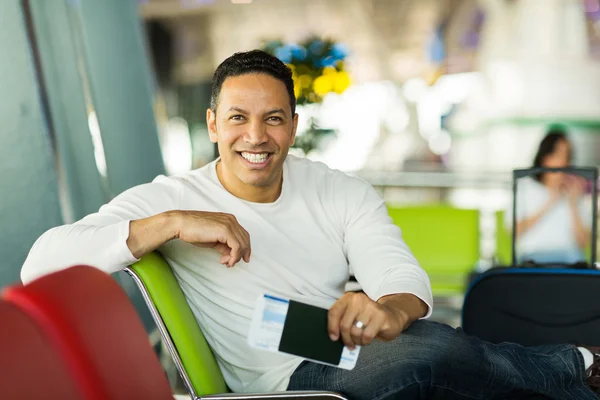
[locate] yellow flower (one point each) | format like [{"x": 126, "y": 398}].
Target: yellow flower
[
  {"x": 304, "y": 81},
  {"x": 341, "y": 82},
  {"x": 297, "y": 90},
  {"x": 329, "y": 71},
  {"x": 323, "y": 85}
]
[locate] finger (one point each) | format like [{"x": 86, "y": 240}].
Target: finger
[
  {"x": 246, "y": 246},
  {"x": 243, "y": 239},
  {"x": 346, "y": 324},
  {"x": 228, "y": 245},
  {"x": 333, "y": 318},
  {"x": 221, "y": 248},
  {"x": 247, "y": 255},
  {"x": 373, "y": 328},
  {"x": 225, "y": 259},
  {"x": 357, "y": 333},
  {"x": 235, "y": 255}
]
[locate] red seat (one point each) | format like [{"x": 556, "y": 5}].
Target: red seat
[
  {"x": 30, "y": 368},
  {"x": 91, "y": 322}
]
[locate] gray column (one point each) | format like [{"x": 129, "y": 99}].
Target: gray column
[
  {"x": 120, "y": 87},
  {"x": 64, "y": 79},
  {"x": 29, "y": 202}
]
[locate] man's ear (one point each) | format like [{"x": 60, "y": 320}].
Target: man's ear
[
  {"x": 211, "y": 121},
  {"x": 294, "y": 127}
]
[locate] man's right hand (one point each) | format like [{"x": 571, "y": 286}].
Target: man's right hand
[
  {"x": 205, "y": 229},
  {"x": 217, "y": 230}
]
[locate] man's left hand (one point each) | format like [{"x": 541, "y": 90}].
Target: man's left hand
[{"x": 359, "y": 320}]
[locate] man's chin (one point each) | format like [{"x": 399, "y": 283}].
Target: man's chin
[{"x": 257, "y": 182}]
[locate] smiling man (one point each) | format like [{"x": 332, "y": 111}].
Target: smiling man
[{"x": 259, "y": 221}]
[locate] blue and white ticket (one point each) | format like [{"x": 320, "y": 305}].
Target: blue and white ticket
[{"x": 267, "y": 326}]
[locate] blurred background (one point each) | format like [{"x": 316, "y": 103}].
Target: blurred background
[{"x": 434, "y": 102}]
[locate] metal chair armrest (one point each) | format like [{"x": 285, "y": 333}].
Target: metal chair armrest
[{"x": 313, "y": 395}]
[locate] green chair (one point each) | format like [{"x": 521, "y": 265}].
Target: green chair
[
  {"x": 445, "y": 241},
  {"x": 503, "y": 241},
  {"x": 183, "y": 338}
]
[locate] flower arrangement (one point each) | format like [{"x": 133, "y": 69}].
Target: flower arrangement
[{"x": 318, "y": 68}]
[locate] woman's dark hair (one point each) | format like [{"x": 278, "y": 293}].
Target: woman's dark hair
[
  {"x": 251, "y": 62},
  {"x": 548, "y": 146}
]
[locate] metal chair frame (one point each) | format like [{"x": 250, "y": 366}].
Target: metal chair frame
[{"x": 172, "y": 348}]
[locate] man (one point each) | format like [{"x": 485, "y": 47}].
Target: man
[{"x": 257, "y": 221}]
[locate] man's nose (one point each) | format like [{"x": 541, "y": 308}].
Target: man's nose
[{"x": 256, "y": 134}]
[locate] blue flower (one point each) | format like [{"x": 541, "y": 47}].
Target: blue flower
[
  {"x": 328, "y": 62},
  {"x": 284, "y": 53},
  {"x": 316, "y": 47},
  {"x": 298, "y": 52},
  {"x": 339, "y": 51}
]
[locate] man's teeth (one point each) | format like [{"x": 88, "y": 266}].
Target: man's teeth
[{"x": 255, "y": 158}]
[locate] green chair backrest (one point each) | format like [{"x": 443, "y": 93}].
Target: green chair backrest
[
  {"x": 195, "y": 353},
  {"x": 445, "y": 241},
  {"x": 503, "y": 240}
]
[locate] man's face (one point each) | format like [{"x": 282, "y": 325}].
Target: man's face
[{"x": 253, "y": 128}]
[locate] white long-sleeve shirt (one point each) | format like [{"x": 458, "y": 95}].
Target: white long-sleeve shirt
[{"x": 303, "y": 244}]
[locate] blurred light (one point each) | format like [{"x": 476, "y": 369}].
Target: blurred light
[
  {"x": 397, "y": 119},
  {"x": 193, "y": 3},
  {"x": 97, "y": 143},
  {"x": 429, "y": 114},
  {"x": 440, "y": 144},
  {"x": 241, "y": 1},
  {"x": 177, "y": 147},
  {"x": 414, "y": 89},
  {"x": 358, "y": 115},
  {"x": 591, "y": 6},
  {"x": 455, "y": 88}
]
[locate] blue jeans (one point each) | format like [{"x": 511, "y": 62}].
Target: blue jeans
[{"x": 434, "y": 361}]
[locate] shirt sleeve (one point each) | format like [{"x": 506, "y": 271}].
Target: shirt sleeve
[
  {"x": 382, "y": 262},
  {"x": 100, "y": 239}
]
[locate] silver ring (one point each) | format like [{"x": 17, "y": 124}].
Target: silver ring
[{"x": 359, "y": 324}]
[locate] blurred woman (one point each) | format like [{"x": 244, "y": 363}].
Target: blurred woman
[{"x": 553, "y": 224}]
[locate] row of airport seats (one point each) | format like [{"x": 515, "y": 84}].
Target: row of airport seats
[{"x": 446, "y": 242}]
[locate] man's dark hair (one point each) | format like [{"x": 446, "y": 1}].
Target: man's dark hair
[
  {"x": 548, "y": 146},
  {"x": 252, "y": 62}
]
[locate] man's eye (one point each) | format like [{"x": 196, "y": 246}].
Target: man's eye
[
  {"x": 237, "y": 117},
  {"x": 275, "y": 119}
]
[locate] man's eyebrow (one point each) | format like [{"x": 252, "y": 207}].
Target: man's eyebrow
[
  {"x": 275, "y": 111},
  {"x": 237, "y": 109}
]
